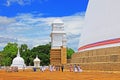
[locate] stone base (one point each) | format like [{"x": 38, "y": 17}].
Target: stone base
[
  {"x": 58, "y": 56},
  {"x": 98, "y": 59}
]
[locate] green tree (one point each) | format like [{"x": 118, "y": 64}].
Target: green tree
[
  {"x": 69, "y": 52},
  {"x": 44, "y": 59},
  {"x": 26, "y": 56},
  {"x": 25, "y": 53},
  {"x": 9, "y": 52},
  {"x": 42, "y": 49},
  {"x": 1, "y": 56},
  {"x": 23, "y": 48},
  {"x": 43, "y": 52}
]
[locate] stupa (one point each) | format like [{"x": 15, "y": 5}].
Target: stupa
[
  {"x": 36, "y": 62},
  {"x": 102, "y": 25},
  {"x": 18, "y": 61},
  {"x": 99, "y": 47}
]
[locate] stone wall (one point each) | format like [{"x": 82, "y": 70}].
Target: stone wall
[
  {"x": 55, "y": 56},
  {"x": 58, "y": 56},
  {"x": 107, "y": 59}
]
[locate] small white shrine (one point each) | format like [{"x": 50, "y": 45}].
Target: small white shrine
[
  {"x": 18, "y": 61},
  {"x": 36, "y": 62}
]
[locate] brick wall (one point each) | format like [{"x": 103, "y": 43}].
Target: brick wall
[{"x": 107, "y": 59}]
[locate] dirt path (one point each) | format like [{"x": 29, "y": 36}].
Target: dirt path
[{"x": 30, "y": 75}]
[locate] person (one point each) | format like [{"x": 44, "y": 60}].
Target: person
[
  {"x": 50, "y": 68},
  {"x": 23, "y": 67},
  {"x": 75, "y": 68},
  {"x": 53, "y": 67},
  {"x": 70, "y": 67},
  {"x": 43, "y": 68},
  {"x": 34, "y": 69},
  {"x": 62, "y": 67},
  {"x": 78, "y": 68}
]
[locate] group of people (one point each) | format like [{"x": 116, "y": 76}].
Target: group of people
[
  {"x": 56, "y": 68},
  {"x": 51, "y": 68},
  {"x": 75, "y": 68},
  {"x": 12, "y": 69}
]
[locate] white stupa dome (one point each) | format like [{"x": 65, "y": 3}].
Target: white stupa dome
[
  {"x": 102, "y": 25},
  {"x": 36, "y": 59},
  {"x": 57, "y": 21},
  {"x": 18, "y": 61}
]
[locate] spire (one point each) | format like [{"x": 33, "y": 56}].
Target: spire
[
  {"x": 36, "y": 56},
  {"x": 18, "y": 54}
]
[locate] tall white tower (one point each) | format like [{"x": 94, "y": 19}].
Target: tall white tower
[
  {"x": 58, "y": 43},
  {"x": 58, "y": 35}
]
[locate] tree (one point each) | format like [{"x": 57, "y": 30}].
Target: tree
[
  {"x": 23, "y": 48},
  {"x": 44, "y": 59},
  {"x": 43, "y": 52},
  {"x": 42, "y": 49},
  {"x": 25, "y": 53},
  {"x": 26, "y": 56},
  {"x": 9, "y": 52},
  {"x": 69, "y": 52},
  {"x": 1, "y": 56}
]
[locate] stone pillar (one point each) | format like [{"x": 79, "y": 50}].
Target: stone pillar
[{"x": 63, "y": 55}]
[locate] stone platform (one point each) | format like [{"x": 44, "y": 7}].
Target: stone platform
[{"x": 106, "y": 59}]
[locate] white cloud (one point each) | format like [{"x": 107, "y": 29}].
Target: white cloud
[
  {"x": 21, "y": 2},
  {"x": 73, "y": 24},
  {"x": 6, "y": 40},
  {"x": 4, "y": 20},
  {"x": 33, "y": 42},
  {"x": 36, "y": 30}
]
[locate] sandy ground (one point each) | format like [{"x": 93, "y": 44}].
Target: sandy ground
[{"x": 58, "y": 75}]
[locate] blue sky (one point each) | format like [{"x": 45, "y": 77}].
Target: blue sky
[{"x": 29, "y": 21}]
